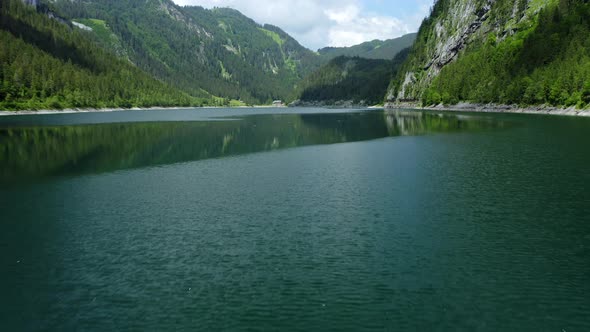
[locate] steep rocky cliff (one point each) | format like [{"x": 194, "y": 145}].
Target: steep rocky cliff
[{"x": 494, "y": 39}]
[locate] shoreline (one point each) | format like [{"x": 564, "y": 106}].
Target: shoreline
[
  {"x": 461, "y": 107},
  {"x": 104, "y": 110},
  {"x": 82, "y": 110},
  {"x": 493, "y": 108}
]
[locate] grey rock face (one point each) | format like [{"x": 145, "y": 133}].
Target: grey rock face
[{"x": 451, "y": 35}]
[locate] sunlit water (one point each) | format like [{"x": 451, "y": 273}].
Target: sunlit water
[{"x": 294, "y": 220}]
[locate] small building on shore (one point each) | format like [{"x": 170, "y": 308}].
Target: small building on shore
[{"x": 278, "y": 103}]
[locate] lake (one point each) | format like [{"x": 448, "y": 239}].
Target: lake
[{"x": 294, "y": 219}]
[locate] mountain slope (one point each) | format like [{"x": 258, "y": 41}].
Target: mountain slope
[
  {"x": 500, "y": 51},
  {"x": 362, "y": 81},
  {"x": 46, "y": 64},
  {"x": 194, "y": 49},
  {"x": 376, "y": 49}
]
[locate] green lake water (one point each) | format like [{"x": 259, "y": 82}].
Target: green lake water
[{"x": 294, "y": 220}]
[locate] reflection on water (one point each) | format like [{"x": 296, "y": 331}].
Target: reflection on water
[{"x": 61, "y": 150}]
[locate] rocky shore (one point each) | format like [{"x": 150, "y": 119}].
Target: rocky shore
[{"x": 494, "y": 108}]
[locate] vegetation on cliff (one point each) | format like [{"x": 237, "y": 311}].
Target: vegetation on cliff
[{"x": 514, "y": 52}]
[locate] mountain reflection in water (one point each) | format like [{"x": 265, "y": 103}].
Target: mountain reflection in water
[{"x": 27, "y": 152}]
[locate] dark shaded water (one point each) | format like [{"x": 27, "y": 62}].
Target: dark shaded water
[{"x": 175, "y": 220}]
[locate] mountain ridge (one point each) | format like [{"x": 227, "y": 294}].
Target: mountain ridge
[{"x": 375, "y": 49}]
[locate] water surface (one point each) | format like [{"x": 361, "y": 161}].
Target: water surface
[{"x": 294, "y": 220}]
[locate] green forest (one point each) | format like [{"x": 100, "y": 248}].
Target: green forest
[{"x": 47, "y": 64}]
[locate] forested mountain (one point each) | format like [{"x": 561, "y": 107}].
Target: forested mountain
[
  {"x": 352, "y": 79},
  {"x": 45, "y": 63},
  {"x": 358, "y": 74},
  {"x": 376, "y": 49},
  {"x": 111, "y": 53},
  {"x": 526, "y": 52},
  {"x": 220, "y": 51}
]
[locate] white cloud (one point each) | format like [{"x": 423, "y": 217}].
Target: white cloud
[
  {"x": 320, "y": 23},
  {"x": 354, "y": 28}
]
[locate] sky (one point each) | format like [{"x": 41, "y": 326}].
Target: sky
[{"x": 320, "y": 23}]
